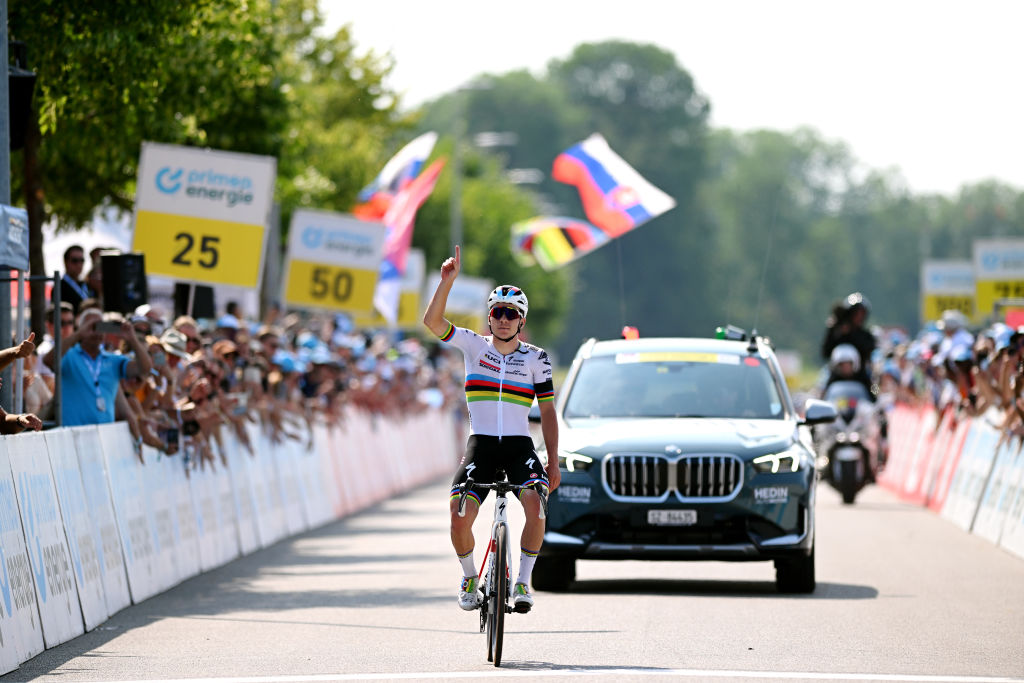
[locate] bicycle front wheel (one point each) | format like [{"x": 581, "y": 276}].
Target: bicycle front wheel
[{"x": 498, "y": 595}]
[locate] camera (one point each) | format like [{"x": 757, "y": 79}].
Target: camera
[
  {"x": 108, "y": 327},
  {"x": 170, "y": 435}
]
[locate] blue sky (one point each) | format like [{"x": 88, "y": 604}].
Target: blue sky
[{"x": 929, "y": 88}]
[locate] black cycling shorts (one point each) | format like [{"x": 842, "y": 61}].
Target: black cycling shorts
[{"x": 487, "y": 454}]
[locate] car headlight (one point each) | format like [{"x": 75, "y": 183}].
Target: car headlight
[
  {"x": 574, "y": 461},
  {"x": 775, "y": 463}
]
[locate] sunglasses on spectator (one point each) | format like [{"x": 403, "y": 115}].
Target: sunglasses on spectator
[
  {"x": 76, "y": 260},
  {"x": 507, "y": 312}
]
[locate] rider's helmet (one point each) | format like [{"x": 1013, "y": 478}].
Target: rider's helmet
[
  {"x": 858, "y": 301},
  {"x": 845, "y": 353},
  {"x": 509, "y": 295}
]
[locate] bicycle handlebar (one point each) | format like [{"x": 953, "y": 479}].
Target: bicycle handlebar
[{"x": 501, "y": 488}]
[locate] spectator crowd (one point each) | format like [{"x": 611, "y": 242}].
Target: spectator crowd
[
  {"x": 952, "y": 368},
  {"x": 181, "y": 384}
]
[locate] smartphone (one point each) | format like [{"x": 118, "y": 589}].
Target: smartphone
[
  {"x": 170, "y": 435},
  {"x": 104, "y": 327}
]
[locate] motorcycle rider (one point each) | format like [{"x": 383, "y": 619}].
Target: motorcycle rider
[
  {"x": 847, "y": 326},
  {"x": 844, "y": 366}
]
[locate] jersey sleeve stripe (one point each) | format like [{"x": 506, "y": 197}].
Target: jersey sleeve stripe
[{"x": 448, "y": 333}]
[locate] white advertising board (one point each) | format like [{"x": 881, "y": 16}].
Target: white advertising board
[
  {"x": 80, "y": 533},
  {"x": 21, "y": 633},
  {"x": 101, "y": 516},
  {"x": 131, "y": 510},
  {"x": 56, "y": 592},
  {"x": 244, "y": 496}
]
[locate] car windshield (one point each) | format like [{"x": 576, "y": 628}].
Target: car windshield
[{"x": 674, "y": 384}]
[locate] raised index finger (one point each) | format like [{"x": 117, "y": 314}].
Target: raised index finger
[{"x": 458, "y": 257}]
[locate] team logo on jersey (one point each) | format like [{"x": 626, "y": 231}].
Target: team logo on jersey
[
  {"x": 529, "y": 463},
  {"x": 485, "y": 364}
]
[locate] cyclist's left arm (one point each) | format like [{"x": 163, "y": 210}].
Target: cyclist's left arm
[
  {"x": 545, "y": 390},
  {"x": 549, "y": 429}
]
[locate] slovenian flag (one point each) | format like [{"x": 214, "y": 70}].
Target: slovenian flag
[
  {"x": 615, "y": 197},
  {"x": 376, "y": 198}
]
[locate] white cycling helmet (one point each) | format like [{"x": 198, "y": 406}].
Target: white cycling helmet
[
  {"x": 845, "y": 353},
  {"x": 508, "y": 295}
]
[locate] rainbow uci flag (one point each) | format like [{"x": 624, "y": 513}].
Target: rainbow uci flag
[{"x": 553, "y": 241}]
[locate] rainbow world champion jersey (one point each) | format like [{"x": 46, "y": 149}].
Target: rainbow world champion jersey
[{"x": 500, "y": 389}]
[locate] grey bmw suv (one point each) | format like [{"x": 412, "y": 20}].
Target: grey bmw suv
[{"x": 682, "y": 449}]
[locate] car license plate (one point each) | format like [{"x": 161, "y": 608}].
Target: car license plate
[{"x": 672, "y": 517}]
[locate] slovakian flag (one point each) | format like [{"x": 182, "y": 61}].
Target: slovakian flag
[
  {"x": 615, "y": 197},
  {"x": 375, "y": 198},
  {"x": 553, "y": 241},
  {"x": 400, "y": 219}
]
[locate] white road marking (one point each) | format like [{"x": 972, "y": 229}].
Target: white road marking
[{"x": 587, "y": 672}]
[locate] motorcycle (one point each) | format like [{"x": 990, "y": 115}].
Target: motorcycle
[{"x": 848, "y": 447}]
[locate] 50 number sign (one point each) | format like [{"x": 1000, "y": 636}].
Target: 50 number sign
[{"x": 331, "y": 282}]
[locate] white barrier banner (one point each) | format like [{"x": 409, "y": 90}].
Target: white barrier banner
[
  {"x": 317, "y": 501},
  {"x": 243, "y": 496},
  {"x": 48, "y": 553},
  {"x": 288, "y": 483},
  {"x": 186, "y": 533},
  {"x": 329, "y": 478},
  {"x": 131, "y": 510},
  {"x": 1013, "y": 530},
  {"x": 21, "y": 634},
  {"x": 79, "y": 532},
  {"x": 988, "y": 523},
  {"x": 160, "y": 499},
  {"x": 227, "y": 520},
  {"x": 269, "y": 508},
  {"x": 101, "y": 516},
  {"x": 207, "y": 522},
  {"x": 969, "y": 481}
]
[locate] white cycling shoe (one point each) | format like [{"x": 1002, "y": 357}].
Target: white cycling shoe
[
  {"x": 469, "y": 596},
  {"x": 522, "y": 599}
]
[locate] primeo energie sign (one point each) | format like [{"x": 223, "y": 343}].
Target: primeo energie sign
[{"x": 201, "y": 215}]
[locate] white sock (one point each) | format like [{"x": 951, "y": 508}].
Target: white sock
[
  {"x": 527, "y": 558},
  {"x": 468, "y": 566}
]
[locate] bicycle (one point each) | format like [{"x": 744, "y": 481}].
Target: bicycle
[{"x": 495, "y": 582}]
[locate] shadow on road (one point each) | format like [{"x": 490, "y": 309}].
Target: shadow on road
[
  {"x": 721, "y": 589},
  {"x": 581, "y": 670}
]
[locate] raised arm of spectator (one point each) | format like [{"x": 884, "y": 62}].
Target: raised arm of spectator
[
  {"x": 142, "y": 363},
  {"x": 22, "y": 350}
]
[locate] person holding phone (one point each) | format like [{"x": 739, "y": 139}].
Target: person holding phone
[{"x": 90, "y": 375}]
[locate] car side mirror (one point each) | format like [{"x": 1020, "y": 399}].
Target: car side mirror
[
  {"x": 818, "y": 412},
  {"x": 534, "y": 415}
]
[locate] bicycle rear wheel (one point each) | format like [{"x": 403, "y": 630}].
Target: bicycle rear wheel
[{"x": 498, "y": 595}]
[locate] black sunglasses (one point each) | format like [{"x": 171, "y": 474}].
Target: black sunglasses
[{"x": 507, "y": 312}]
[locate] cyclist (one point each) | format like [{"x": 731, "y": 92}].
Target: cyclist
[{"x": 503, "y": 376}]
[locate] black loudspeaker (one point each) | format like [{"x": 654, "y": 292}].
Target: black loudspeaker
[
  {"x": 202, "y": 301},
  {"x": 124, "y": 282}
]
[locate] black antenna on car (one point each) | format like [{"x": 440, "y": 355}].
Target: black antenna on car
[{"x": 764, "y": 272}]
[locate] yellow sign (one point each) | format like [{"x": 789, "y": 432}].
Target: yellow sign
[
  {"x": 199, "y": 249},
  {"x": 410, "y": 314},
  {"x": 935, "y": 304},
  {"x": 991, "y": 291},
  {"x": 341, "y": 288}
]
